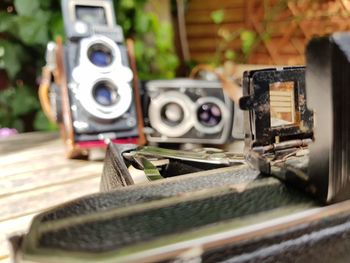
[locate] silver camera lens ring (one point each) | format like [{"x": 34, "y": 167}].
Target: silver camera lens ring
[
  {"x": 224, "y": 115},
  {"x": 100, "y": 42},
  {"x": 105, "y": 93},
  {"x": 91, "y": 105},
  {"x": 100, "y": 55},
  {"x": 171, "y": 97}
]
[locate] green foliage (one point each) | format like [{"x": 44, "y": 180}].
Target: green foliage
[
  {"x": 230, "y": 54},
  {"x": 154, "y": 48},
  {"x": 25, "y": 28},
  {"x": 26, "y": 8},
  {"x": 27, "y": 25},
  {"x": 11, "y": 57},
  {"x": 14, "y": 104},
  {"x": 218, "y": 16},
  {"x": 248, "y": 40},
  {"x": 42, "y": 123}
]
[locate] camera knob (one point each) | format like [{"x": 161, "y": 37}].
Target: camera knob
[
  {"x": 246, "y": 103},
  {"x": 81, "y": 28}
]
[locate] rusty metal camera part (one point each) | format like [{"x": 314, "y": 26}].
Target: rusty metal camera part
[
  {"x": 314, "y": 158},
  {"x": 279, "y": 125}
]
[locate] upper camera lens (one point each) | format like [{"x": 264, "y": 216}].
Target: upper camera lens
[
  {"x": 100, "y": 55},
  {"x": 172, "y": 114},
  {"x": 209, "y": 114},
  {"x": 105, "y": 93}
]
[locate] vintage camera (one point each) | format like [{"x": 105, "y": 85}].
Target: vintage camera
[
  {"x": 190, "y": 111},
  {"x": 97, "y": 86},
  {"x": 279, "y": 126},
  {"x": 277, "y": 116},
  {"x": 306, "y": 147}
]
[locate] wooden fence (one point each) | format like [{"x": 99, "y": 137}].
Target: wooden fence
[{"x": 283, "y": 27}]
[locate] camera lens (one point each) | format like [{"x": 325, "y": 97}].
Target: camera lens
[
  {"x": 209, "y": 114},
  {"x": 172, "y": 114},
  {"x": 105, "y": 93},
  {"x": 100, "y": 55}
]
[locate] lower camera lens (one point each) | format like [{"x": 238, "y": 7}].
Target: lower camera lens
[
  {"x": 172, "y": 114},
  {"x": 100, "y": 55},
  {"x": 209, "y": 114},
  {"x": 105, "y": 93}
]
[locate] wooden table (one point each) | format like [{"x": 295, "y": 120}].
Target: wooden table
[{"x": 35, "y": 175}]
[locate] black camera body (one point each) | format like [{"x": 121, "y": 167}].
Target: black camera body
[
  {"x": 276, "y": 99},
  {"x": 99, "y": 80},
  {"x": 281, "y": 138},
  {"x": 277, "y": 118},
  {"x": 190, "y": 111}
]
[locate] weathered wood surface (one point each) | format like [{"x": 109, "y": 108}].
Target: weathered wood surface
[{"x": 35, "y": 175}]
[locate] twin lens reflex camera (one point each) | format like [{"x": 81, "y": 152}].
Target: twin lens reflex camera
[{"x": 95, "y": 96}]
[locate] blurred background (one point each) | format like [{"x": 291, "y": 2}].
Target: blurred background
[{"x": 171, "y": 36}]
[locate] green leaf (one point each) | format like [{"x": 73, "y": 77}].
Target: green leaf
[
  {"x": 11, "y": 56},
  {"x": 127, "y": 4},
  {"x": 6, "y": 116},
  {"x": 6, "y": 22},
  {"x": 41, "y": 123},
  {"x": 139, "y": 48},
  {"x": 27, "y": 7},
  {"x": 56, "y": 25},
  {"x": 127, "y": 26},
  {"x": 45, "y": 3},
  {"x": 18, "y": 124},
  {"x": 24, "y": 101},
  {"x": 218, "y": 16},
  {"x": 33, "y": 30},
  {"x": 164, "y": 38},
  {"x": 230, "y": 54},
  {"x": 248, "y": 39},
  {"x": 142, "y": 23}
]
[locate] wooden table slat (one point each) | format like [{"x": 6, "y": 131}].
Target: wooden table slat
[
  {"x": 32, "y": 154},
  {"x": 34, "y": 176},
  {"x": 46, "y": 178},
  {"x": 12, "y": 227},
  {"x": 35, "y": 201}
]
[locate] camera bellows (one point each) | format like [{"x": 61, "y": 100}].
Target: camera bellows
[{"x": 327, "y": 83}]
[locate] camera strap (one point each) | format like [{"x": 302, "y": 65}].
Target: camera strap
[{"x": 43, "y": 92}]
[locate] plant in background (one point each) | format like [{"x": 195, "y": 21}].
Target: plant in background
[
  {"x": 26, "y": 27},
  {"x": 248, "y": 40},
  {"x": 154, "y": 43}
]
